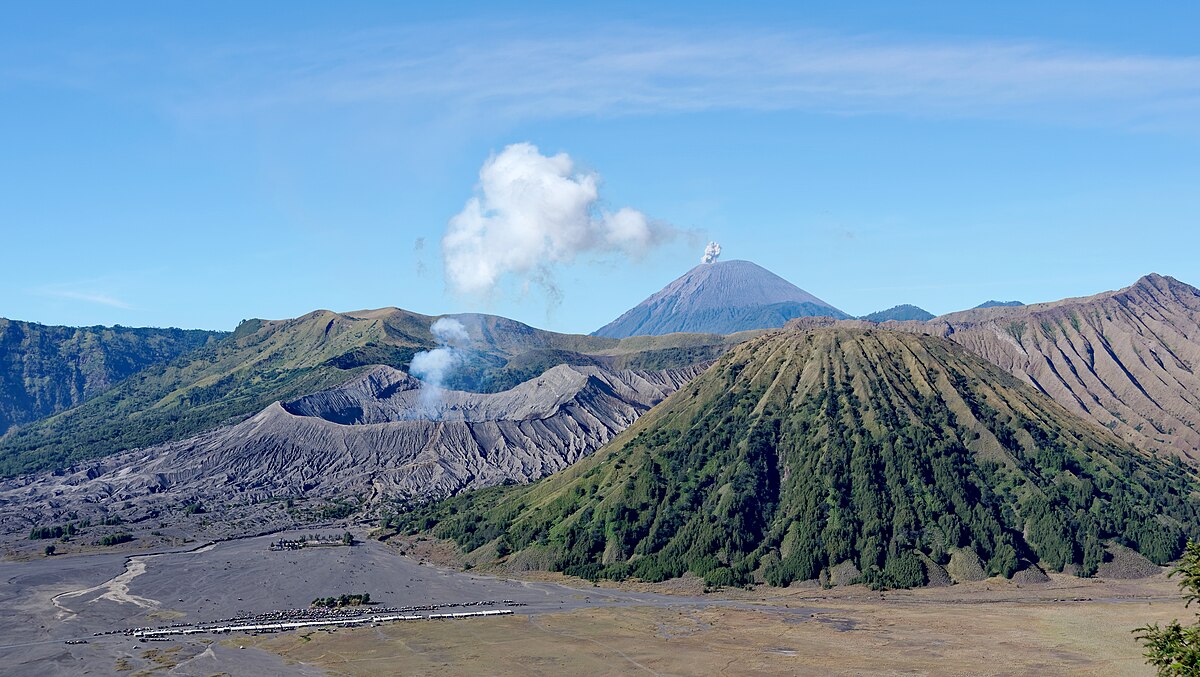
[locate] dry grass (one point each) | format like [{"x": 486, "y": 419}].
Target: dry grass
[
  {"x": 991, "y": 628},
  {"x": 421, "y": 548}
]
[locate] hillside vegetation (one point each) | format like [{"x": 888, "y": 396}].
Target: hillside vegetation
[
  {"x": 267, "y": 361},
  {"x": 46, "y": 369},
  {"x": 900, "y": 313},
  {"x": 1127, "y": 360},
  {"x": 800, "y": 451}
]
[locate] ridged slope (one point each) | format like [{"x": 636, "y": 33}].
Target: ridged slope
[
  {"x": 364, "y": 439},
  {"x": 719, "y": 298},
  {"x": 1128, "y": 360},
  {"x": 804, "y": 450}
]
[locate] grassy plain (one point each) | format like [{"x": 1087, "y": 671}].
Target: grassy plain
[{"x": 1070, "y": 626}]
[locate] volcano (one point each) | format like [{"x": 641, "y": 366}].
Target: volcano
[
  {"x": 900, "y": 458},
  {"x": 720, "y": 298}
]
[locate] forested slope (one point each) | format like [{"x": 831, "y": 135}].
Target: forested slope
[
  {"x": 46, "y": 369},
  {"x": 804, "y": 450}
]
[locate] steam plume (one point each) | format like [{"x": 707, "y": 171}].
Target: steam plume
[
  {"x": 433, "y": 366},
  {"x": 711, "y": 253},
  {"x": 532, "y": 213}
]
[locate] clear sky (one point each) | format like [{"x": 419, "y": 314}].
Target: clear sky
[{"x": 194, "y": 164}]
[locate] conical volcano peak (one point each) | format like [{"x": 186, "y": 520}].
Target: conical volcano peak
[
  {"x": 734, "y": 284},
  {"x": 720, "y": 297}
]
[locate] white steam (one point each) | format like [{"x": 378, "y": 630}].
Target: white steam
[
  {"x": 711, "y": 253},
  {"x": 531, "y": 213},
  {"x": 448, "y": 330},
  {"x": 433, "y": 366}
]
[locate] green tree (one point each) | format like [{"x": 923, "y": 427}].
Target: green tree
[
  {"x": 1174, "y": 650},
  {"x": 50, "y": 550}
]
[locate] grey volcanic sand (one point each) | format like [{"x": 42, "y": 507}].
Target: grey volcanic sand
[{"x": 48, "y": 601}]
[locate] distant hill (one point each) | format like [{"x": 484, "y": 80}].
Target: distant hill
[
  {"x": 899, "y": 313},
  {"x": 719, "y": 298},
  {"x": 265, "y": 361},
  {"x": 47, "y": 369},
  {"x": 880, "y": 456},
  {"x": 998, "y": 304}
]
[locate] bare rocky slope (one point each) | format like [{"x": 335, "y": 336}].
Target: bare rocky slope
[
  {"x": 378, "y": 435},
  {"x": 722, "y": 298},
  {"x": 1128, "y": 360}
]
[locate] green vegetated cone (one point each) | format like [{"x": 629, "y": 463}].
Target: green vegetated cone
[{"x": 803, "y": 451}]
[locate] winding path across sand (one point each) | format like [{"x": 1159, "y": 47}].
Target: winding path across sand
[{"x": 115, "y": 589}]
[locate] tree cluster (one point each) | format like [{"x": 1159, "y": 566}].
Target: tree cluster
[
  {"x": 342, "y": 600},
  {"x": 1174, "y": 650}
]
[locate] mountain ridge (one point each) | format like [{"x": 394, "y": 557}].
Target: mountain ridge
[
  {"x": 45, "y": 369},
  {"x": 267, "y": 360},
  {"x": 900, "y": 313},
  {"x": 1126, "y": 359},
  {"x": 372, "y": 437}
]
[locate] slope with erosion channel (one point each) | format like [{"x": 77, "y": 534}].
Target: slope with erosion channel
[
  {"x": 884, "y": 453},
  {"x": 379, "y": 435},
  {"x": 265, "y": 361},
  {"x": 1128, "y": 360}
]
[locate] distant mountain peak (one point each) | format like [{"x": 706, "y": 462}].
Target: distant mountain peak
[
  {"x": 721, "y": 297},
  {"x": 901, "y": 313},
  {"x": 1158, "y": 282},
  {"x": 998, "y": 304}
]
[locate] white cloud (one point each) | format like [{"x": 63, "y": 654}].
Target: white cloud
[
  {"x": 432, "y": 366},
  {"x": 531, "y": 213},
  {"x": 628, "y": 70},
  {"x": 90, "y": 297}
]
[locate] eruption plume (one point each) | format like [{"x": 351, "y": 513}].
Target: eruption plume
[{"x": 711, "y": 253}]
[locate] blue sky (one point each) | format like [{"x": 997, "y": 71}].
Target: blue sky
[{"x": 194, "y": 165}]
